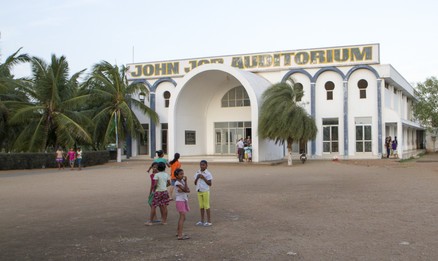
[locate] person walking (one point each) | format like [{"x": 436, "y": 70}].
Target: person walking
[
  {"x": 240, "y": 151},
  {"x": 79, "y": 158},
  {"x": 174, "y": 165},
  {"x": 161, "y": 196},
  {"x": 203, "y": 182},
  {"x": 60, "y": 158},
  {"x": 181, "y": 201},
  {"x": 71, "y": 157}
]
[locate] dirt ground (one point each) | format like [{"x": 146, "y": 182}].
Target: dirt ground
[{"x": 320, "y": 210}]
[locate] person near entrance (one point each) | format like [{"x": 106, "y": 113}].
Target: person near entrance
[
  {"x": 394, "y": 147},
  {"x": 240, "y": 149},
  {"x": 388, "y": 146}
]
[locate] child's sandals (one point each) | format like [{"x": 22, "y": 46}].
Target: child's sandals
[{"x": 185, "y": 237}]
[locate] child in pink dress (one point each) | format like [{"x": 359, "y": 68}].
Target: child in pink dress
[
  {"x": 181, "y": 201},
  {"x": 72, "y": 157}
]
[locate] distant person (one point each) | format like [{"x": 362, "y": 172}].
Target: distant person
[
  {"x": 79, "y": 158},
  {"x": 181, "y": 201},
  {"x": 60, "y": 158},
  {"x": 71, "y": 155},
  {"x": 248, "y": 152},
  {"x": 203, "y": 182},
  {"x": 240, "y": 151},
  {"x": 161, "y": 196},
  {"x": 174, "y": 165},
  {"x": 394, "y": 147},
  {"x": 388, "y": 146}
]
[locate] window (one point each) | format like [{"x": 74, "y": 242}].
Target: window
[
  {"x": 330, "y": 142},
  {"x": 362, "y": 84},
  {"x": 166, "y": 96},
  {"x": 236, "y": 97},
  {"x": 164, "y": 128},
  {"x": 190, "y": 137},
  {"x": 298, "y": 91},
  {"x": 329, "y": 86},
  {"x": 363, "y": 138}
]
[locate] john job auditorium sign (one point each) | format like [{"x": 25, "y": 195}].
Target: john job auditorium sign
[{"x": 336, "y": 56}]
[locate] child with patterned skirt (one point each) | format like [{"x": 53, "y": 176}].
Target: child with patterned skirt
[{"x": 161, "y": 196}]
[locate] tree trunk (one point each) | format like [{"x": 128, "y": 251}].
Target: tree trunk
[{"x": 289, "y": 152}]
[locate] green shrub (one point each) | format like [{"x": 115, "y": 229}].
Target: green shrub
[{"x": 9, "y": 161}]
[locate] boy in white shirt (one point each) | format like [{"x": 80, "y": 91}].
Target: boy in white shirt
[{"x": 203, "y": 182}]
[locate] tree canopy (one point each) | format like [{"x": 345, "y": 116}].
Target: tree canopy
[
  {"x": 426, "y": 108},
  {"x": 49, "y": 113},
  {"x": 50, "y": 108},
  {"x": 113, "y": 98},
  {"x": 282, "y": 119}
]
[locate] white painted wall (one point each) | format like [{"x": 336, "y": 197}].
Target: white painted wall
[
  {"x": 358, "y": 107},
  {"x": 329, "y": 108}
]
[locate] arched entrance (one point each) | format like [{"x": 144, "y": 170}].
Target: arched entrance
[{"x": 197, "y": 113}]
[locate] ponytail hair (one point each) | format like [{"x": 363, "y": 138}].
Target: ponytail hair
[{"x": 175, "y": 158}]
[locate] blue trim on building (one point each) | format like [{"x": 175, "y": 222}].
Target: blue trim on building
[
  {"x": 346, "y": 119},
  {"x": 358, "y": 67},
  {"x": 289, "y": 74},
  {"x": 379, "y": 114},
  {"x": 152, "y": 100},
  {"x": 313, "y": 112},
  {"x": 327, "y": 69}
]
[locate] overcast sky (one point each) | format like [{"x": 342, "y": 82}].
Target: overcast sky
[{"x": 120, "y": 32}]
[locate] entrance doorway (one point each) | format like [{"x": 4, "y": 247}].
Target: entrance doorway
[{"x": 228, "y": 133}]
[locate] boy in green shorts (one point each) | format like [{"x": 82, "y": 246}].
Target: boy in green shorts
[{"x": 203, "y": 179}]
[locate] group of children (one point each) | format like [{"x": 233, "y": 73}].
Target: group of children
[
  {"x": 160, "y": 197},
  {"x": 71, "y": 155}
]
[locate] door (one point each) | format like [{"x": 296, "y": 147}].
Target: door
[
  {"x": 330, "y": 140},
  {"x": 227, "y": 134}
]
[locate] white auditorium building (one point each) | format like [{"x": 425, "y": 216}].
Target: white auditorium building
[{"x": 206, "y": 104}]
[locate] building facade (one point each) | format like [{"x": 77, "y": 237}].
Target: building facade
[{"x": 206, "y": 104}]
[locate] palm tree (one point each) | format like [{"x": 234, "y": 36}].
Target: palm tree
[
  {"x": 113, "y": 96},
  {"x": 8, "y": 91},
  {"x": 50, "y": 114},
  {"x": 282, "y": 119}
]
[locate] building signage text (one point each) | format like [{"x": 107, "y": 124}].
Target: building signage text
[{"x": 366, "y": 54}]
